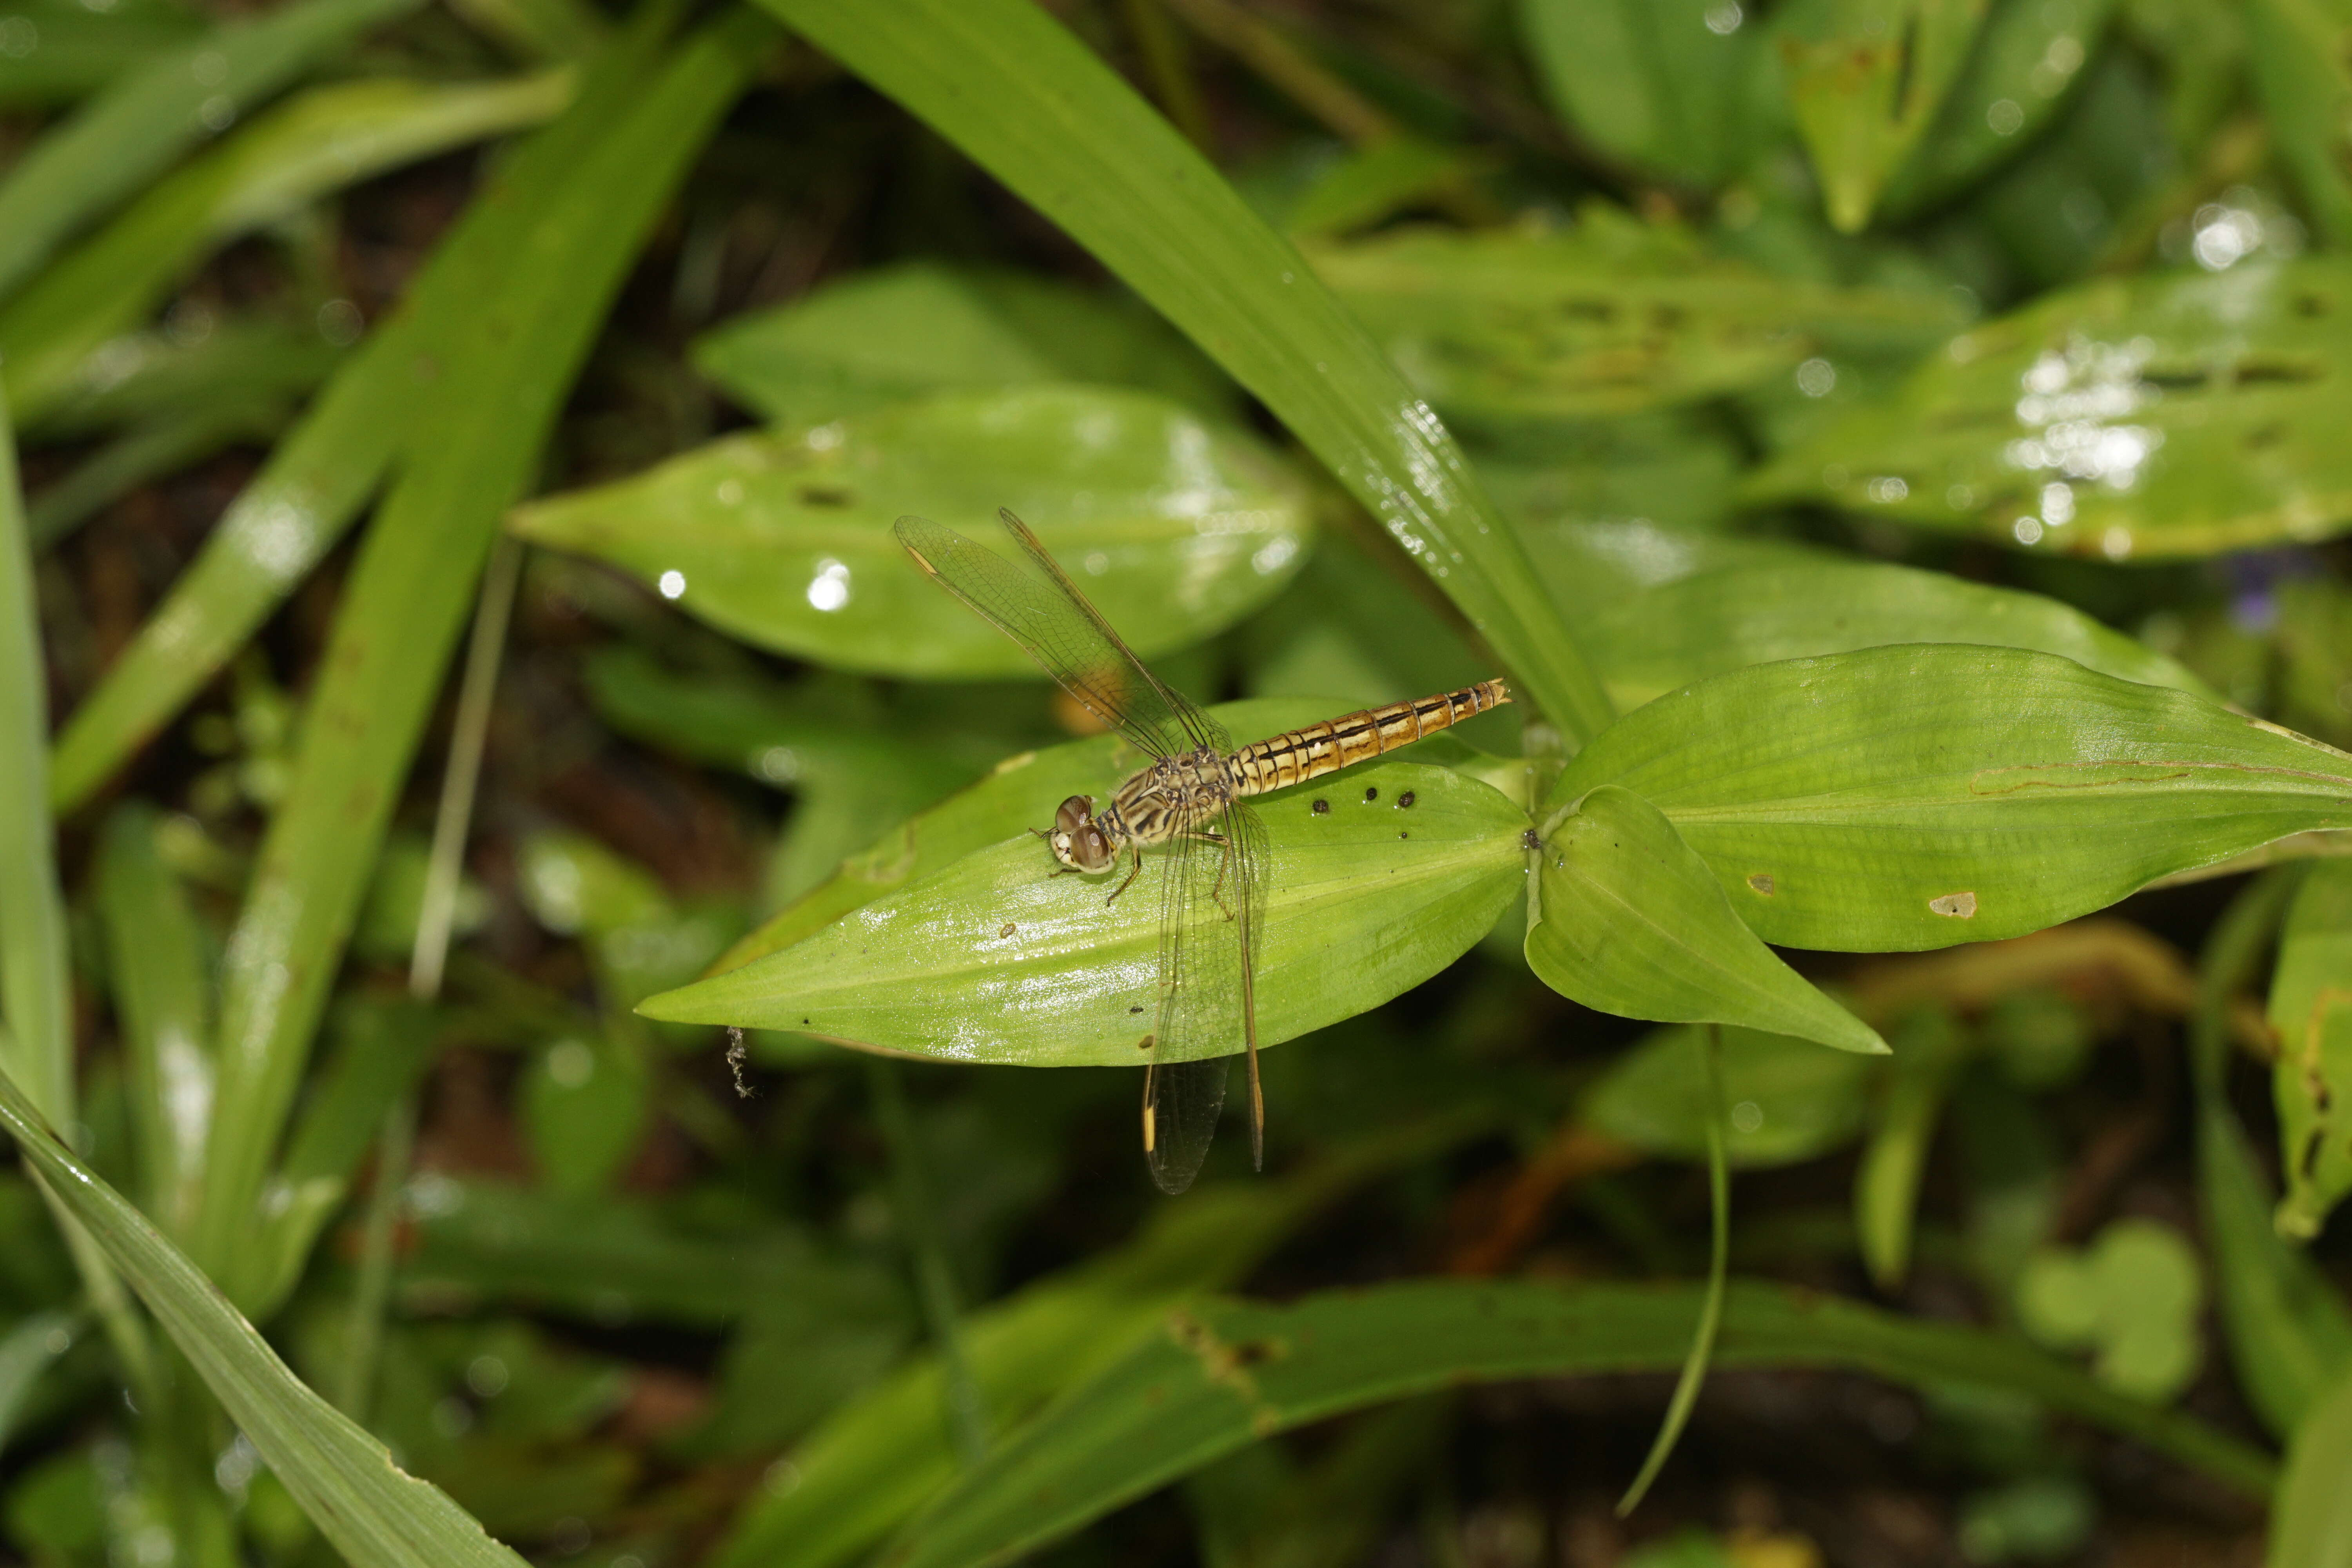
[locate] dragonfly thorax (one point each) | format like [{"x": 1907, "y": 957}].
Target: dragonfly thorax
[{"x": 1078, "y": 840}]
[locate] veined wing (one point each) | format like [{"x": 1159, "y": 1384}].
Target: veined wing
[
  {"x": 1213, "y": 909},
  {"x": 1054, "y": 625}
]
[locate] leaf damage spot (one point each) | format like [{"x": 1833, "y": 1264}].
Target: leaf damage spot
[
  {"x": 1230, "y": 1364},
  {"x": 1405, "y": 800},
  {"x": 1530, "y": 840},
  {"x": 1009, "y": 928},
  {"x": 1372, "y": 793},
  {"x": 1953, "y": 906},
  {"x": 1144, "y": 1044},
  {"x": 1762, "y": 882},
  {"x": 1321, "y": 809}
]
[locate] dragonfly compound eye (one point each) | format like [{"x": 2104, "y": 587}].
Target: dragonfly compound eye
[{"x": 1074, "y": 813}]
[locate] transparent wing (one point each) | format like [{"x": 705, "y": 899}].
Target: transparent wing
[
  {"x": 1045, "y": 614},
  {"x": 1211, "y": 911}
]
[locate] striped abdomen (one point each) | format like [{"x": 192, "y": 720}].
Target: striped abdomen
[{"x": 1335, "y": 743}]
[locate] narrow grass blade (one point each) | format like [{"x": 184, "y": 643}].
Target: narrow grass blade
[
  {"x": 328, "y": 138},
  {"x": 35, "y": 1341},
  {"x": 1895, "y": 1161},
  {"x": 157, "y": 960},
  {"x": 142, "y": 456},
  {"x": 363, "y": 1503},
  {"x": 125, "y": 138},
  {"x": 2312, "y": 1526},
  {"x": 407, "y": 600},
  {"x": 2285, "y": 1323},
  {"x": 1719, "y": 1267},
  {"x": 877, "y": 1459},
  {"x": 1221, "y": 1377},
  {"x": 2311, "y": 1017},
  {"x": 292, "y": 513},
  {"x": 1005, "y": 81},
  {"x": 35, "y": 1004}
]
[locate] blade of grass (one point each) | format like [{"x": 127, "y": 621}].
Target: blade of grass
[
  {"x": 919, "y": 1231},
  {"x": 406, "y": 602},
  {"x": 323, "y": 140},
  {"x": 2288, "y": 1333},
  {"x": 156, "y": 961},
  {"x": 1718, "y": 1273},
  {"x": 149, "y": 452},
  {"x": 365, "y": 1505},
  {"x": 1026, "y": 100},
  {"x": 130, "y": 134},
  {"x": 1224, "y": 1375},
  {"x": 36, "y": 1000},
  {"x": 427, "y": 961},
  {"x": 292, "y": 513},
  {"x": 872, "y": 1462}
]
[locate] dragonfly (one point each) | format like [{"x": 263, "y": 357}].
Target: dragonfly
[{"x": 1191, "y": 801}]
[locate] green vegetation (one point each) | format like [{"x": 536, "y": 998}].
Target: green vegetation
[{"x": 526, "y": 963}]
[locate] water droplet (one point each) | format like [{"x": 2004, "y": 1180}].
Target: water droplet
[{"x": 672, "y": 584}]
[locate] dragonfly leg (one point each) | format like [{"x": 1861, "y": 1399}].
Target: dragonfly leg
[
  {"x": 1224, "y": 864},
  {"x": 1131, "y": 876}
]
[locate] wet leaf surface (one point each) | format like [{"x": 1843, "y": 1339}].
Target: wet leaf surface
[
  {"x": 1174, "y": 526},
  {"x": 2132, "y": 419},
  {"x": 1607, "y": 317},
  {"x": 996, "y": 959}
]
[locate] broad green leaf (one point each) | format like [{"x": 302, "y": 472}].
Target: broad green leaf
[
  {"x": 124, "y": 139},
  {"x": 1915, "y": 796},
  {"x": 1224, "y": 1375},
  {"x": 284, "y": 522},
  {"x": 1020, "y": 794},
  {"x": 2303, "y": 80},
  {"x": 1865, "y": 81},
  {"x": 2284, "y": 1322},
  {"x": 2311, "y": 1009},
  {"x": 1895, "y": 1157},
  {"x": 329, "y": 138},
  {"x": 1628, "y": 920},
  {"x": 891, "y": 333},
  {"x": 1021, "y": 97},
  {"x": 373, "y": 1512},
  {"x": 408, "y": 596},
  {"x": 1175, "y": 527},
  {"x": 71, "y": 51},
  {"x": 2311, "y": 1525},
  {"x": 2027, "y": 55},
  {"x": 158, "y": 961},
  {"x": 1713, "y": 623},
  {"x": 1608, "y": 317},
  {"x": 1680, "y": 88},
  {"x": 1791, "y": 1101},
  {"x": 2144, "y": 416},
  {"x": 996, "y": 959},
  {"x": 877, "y": 1459}
]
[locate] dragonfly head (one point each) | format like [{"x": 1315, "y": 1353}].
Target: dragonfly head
[{"x": 1078, "y": 841}]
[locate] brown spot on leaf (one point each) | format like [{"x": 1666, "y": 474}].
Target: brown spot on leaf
[{"x": 1762, "y": 882}]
